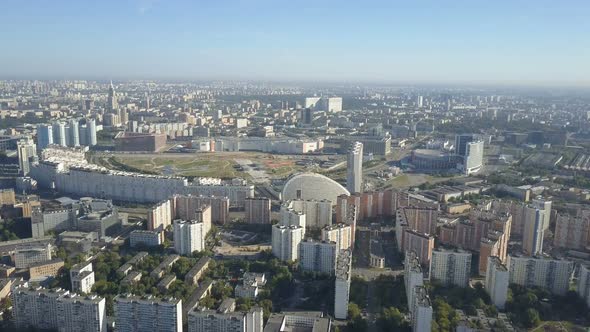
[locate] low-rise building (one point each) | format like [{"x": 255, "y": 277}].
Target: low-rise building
[
  {"x": 145, "y": 238},
  {"x": 46, "y": 269}
]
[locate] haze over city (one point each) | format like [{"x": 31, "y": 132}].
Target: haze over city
[
  {"x": 507, "y": 42},
  {"x": 294, "y": 166}
]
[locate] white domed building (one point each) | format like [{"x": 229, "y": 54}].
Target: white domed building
[{"x": 312, "y": 186}]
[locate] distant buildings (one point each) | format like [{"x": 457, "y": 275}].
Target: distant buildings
[
  {"x": 342, "y": 283},
  {"x": 551, "y": 274},
  {"x": 138, "y": 314},
  {"x": 144, "y": 142},
  {"x": 451, "y": 267},
  {"x": 327, "y": 104},
  {"x": 354, "y": 168},
  {"x": 497, "y": 279}
]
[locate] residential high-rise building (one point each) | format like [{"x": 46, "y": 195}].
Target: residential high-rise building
[
  {"x": 138, "y": 314},
  {"x": 25, "y": 151},
  {"x": 533, "y": 233},
  {"x": 285, "y": 242},
  {"x": 419, "y": 101},
  {"x": 339, "y": 233},
  {"x": 185, "y": 207},
  {"x": 291, "y": 217},
  {"x": 497, "y": 279},
  {"x": 35, "y": 307},
  {"x": 257, "y": 210},
  {"x": 422, "y": 311},
  {"x": 551, "y": 274},
  {"x": 413, "y": 276},
  {"x": 44, "y": 136},
  {"x": 160, "y": 216},
  {"x": 354, "y": 168},
  {"x": 583, "y": 286},
  {"x": 572, "y": 232},
  {"x": 545, "y": 205},
  {"x": 74, "y": 132},
  {"x": 189, "y": 236},
  {"x": 81, "y": 313},
  {"x": 59, "y": 133},
  {"x": 91, "y": 132},
  {"x": 317, "y": 213},
  {"x": 342, "y": 283},
  {"x": 315, "y": 256},
  {"x": 451, "y": 267},
  {"x": 420, "y": 243},
  {"x": 57, "y": 309}
]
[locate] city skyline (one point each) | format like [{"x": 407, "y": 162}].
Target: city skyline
[{"x": 522, "y": 43}]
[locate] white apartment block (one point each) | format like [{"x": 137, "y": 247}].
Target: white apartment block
[
  {"x": 316, "y": 213},
  {"x": 27, "y": 255},
  {"x": 285, "y": 242},
  {"x": 497, "y": 280},
  {"x": 342, "y": 283},
  {"x": 354, "y": 168},
  {"x": 451, "y": 267},
  {"x": 225, "y": 320},
  {"x": 583, "y": 286},
  {"x": 83, "y": 282},
  {"x": 160, "y": 216},
  {"x": 57, "y": 309},
  {"x": 139, "y": 314},
  {"x": 189, "y": 236},
  {"x": 317, "y": 256},
  {"x": 145, "y": 238},
  {"x": 551, "y": 274},
  {"x": 81, "y": 313},
  {"x": 421, "y": 311},
  {"x": 339, "y": 233},
  {"x": 82, "y": 277}
]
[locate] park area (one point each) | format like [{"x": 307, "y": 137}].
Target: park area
[{"x": 260, "y": 167}]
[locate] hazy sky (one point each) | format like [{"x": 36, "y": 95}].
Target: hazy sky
[{"x": 512, "y": 41}]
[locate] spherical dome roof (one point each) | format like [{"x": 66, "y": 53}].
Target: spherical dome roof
[{"x": 312, "y": 186}]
